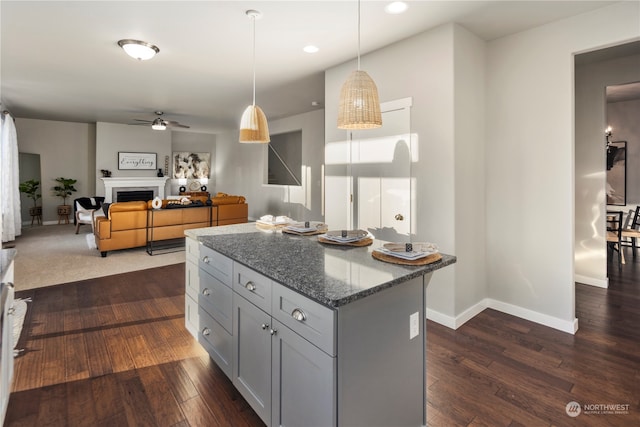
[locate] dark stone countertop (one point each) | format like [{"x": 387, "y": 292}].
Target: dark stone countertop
[{"x": 331, "y": 275}]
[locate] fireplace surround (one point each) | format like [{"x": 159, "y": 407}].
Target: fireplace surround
[{"x": 115, "y": 184}]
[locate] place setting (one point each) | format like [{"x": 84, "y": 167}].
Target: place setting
[
  {"x": 356, "y": 238},
  {"x": 408, "y": 253},
  {"x": 306, "y": 228}
]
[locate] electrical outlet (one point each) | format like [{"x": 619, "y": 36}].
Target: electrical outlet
[{"x": 414, "y": 325}]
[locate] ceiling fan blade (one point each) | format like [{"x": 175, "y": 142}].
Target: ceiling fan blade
[
  {"x": 140, "y": 124},
  {"x": 143, "y": 121},
  {"x": 173, "y": 123}
]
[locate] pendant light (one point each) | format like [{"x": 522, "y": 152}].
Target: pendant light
[
  {"x": 359, "y": 103},
  {"x": 253, "y": 124}
]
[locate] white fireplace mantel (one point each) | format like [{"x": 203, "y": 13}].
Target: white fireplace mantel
[{"x": 110, "y": 184}]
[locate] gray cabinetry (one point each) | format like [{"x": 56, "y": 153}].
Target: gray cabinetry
[
  {"x": 303, "y": 381},
  {"x": 319, "y": 336},
  {"x": 277, "y": 369},
  {"x": 252, "y": 356}
]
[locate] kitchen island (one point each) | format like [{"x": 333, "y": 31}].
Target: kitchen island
[{"x": 309, "y": 333}]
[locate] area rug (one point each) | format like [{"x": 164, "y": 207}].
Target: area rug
[{"x": 53, "y": 254}]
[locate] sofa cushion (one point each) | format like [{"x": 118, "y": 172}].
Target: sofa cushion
[{"x": 126, "y": 207}]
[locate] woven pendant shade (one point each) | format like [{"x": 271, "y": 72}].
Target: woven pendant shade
[
  {"x": 253, "y": 126},
  {"x": 359, "y": 103}
]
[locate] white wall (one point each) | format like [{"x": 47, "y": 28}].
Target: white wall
[
  {"x": 442, "y": 70},
  {"x": 530, "y": 161},
  {"x": 112, "y": 138},
  {"x": 590, "y": 159},
  {"x": 240, "y": 170},
  {"x": 66, "y": 150}
]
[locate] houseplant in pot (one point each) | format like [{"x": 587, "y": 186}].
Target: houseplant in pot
[
  {"x": 63, "y": 190},
  {"x": 30, "y": 188}
]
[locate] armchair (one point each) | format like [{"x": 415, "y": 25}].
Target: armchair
[{"x": 86, "y": 209}]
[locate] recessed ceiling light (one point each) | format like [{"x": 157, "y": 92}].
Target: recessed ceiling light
[
  {"x": 310, "y": 49},
  {"x": 138, "y": 49},
  {"x": 396, "y": 7}
]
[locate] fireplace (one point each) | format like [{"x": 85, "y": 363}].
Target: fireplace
[
  {"x": 116, "y": 185},
  {"x": 134, "y": 195}
]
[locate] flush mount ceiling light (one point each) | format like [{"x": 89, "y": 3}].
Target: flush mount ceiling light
[
  {"x": 359, "y": 106},
  {"x": 253, "y": 124},
  {"x": 138, "y": 49}
]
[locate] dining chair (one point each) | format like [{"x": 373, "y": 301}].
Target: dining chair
[
  {"x": 614, "y": 234},
  {"x": 631, "y": 230}
]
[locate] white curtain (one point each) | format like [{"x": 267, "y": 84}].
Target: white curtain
[{"x": 9, "y": 180}]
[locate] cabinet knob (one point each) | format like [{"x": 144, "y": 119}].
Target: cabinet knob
[
  {"x": 264, "y": 326},
  {"x": 11, "y": 310},
  {"x": 206, "y": 292},
  {"x": 299, "y": 315},
  {"x": 399, "y": 217},
  {"x": 206, "y": 332},
  {"x": 273, "y": 331},
  {"x": 250, "y": 286},
  {"x": 205, "y": 259}
]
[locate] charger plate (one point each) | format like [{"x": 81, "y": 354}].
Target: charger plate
[{"x": 395, "y": 260}]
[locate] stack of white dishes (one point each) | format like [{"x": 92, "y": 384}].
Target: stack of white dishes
[{"x": 408, "y": 251}]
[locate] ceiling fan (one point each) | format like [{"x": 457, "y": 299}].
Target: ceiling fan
[{"x": 159, "y": 123}]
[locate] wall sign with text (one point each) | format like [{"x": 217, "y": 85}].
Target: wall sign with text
[{"x": 136, "y": 161}]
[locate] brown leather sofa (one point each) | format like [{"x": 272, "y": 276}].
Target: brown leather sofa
[{"x": 134, "y": 224}]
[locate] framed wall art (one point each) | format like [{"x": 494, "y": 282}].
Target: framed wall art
[
  {"x": 136, "y": 161},
  {"x": 617, "y": 173},
  {"x": 188, "y": 165}
]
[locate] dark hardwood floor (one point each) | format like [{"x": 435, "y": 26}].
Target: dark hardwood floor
[{"x": 114, "y": 352}]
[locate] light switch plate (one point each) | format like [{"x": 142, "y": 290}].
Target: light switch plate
[{"x": 414, "y": 325}]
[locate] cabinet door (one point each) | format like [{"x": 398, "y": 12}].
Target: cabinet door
[
  {"x": 252, "y": 356},
  {"x": 304, "y": 382}
]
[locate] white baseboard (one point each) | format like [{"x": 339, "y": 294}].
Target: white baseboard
[
  {"x": 524, "y": 313},
  {"x": 591, "y": 281}
]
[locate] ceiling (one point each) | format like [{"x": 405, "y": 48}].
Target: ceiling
[{"x": 61, "y": 61}]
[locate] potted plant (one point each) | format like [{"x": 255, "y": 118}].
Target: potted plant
[
  {"x": 63, "y": 190},
  {"x": 30, "y": 188}
]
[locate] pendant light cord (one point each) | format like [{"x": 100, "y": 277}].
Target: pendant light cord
[
  {"x": 358, "y": 35},
  {"x": 253, "y": 19}
]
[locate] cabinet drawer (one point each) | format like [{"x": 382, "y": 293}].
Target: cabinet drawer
[
  {"x": 217, "y": 341},
  {"x": 253, "y": 286},
  {"x": 312, "y": 321},
  {"x": 217, "y": 265},
  {"x": 215, "y": 297},
  {"x": 192, "y": 249}
]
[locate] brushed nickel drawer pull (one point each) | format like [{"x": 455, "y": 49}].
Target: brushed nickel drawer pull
[
  {"x": 205, "y": 259},
  {"x": 206, "y": 292},
  {"x": 250, "y": 286},
  {"x": 206, "y": 332},
  {"x": 299, "y": 315}
]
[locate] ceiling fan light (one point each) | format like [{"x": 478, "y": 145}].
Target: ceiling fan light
[
  {"x": 253, "y": 126},
  {"x": 158, "y": 124},
  {"x": 359, "y": 106},
  {"x": 138, "y": 49}
]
